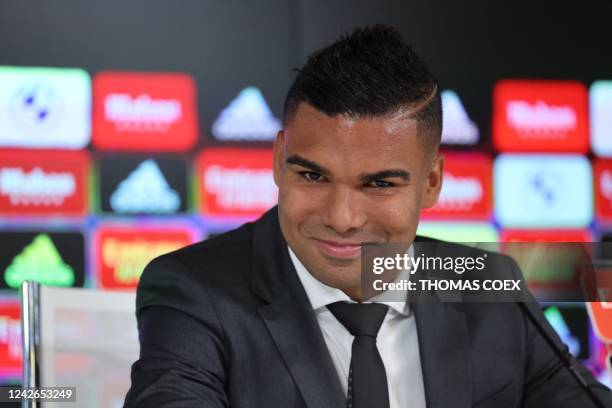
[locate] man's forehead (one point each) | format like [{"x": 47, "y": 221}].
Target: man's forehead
[
  {"x": 354, "y": 145},
  {"x": 311, "y": 122}
]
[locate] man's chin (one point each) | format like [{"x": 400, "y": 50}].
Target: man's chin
[{"x": 339, "y": 276}]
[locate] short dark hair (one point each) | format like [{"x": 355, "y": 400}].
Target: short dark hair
[{"x": 369, "y": 73}]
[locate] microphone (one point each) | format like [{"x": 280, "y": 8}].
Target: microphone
[{"x": 562, "y": 353}]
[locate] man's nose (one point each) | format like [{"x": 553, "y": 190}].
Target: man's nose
[{"x": 344, "y": 210}]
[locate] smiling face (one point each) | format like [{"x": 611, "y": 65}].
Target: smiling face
[{"x": 344, "y": 181}]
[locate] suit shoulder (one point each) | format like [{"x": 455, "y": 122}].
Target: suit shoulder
[
  {"x": 188, "y": 272},
  {"x": 222, "y": 249}
]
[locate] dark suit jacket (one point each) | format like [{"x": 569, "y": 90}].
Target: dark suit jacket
[{"x": 226, "y": 322}]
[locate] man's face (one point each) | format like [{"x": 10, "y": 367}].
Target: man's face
[{"x": 346, "y": 181}]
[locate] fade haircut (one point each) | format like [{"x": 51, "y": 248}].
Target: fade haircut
[{"x": 369, "y": 73}]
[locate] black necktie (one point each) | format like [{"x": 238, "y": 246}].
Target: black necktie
[{"x": 367, "y": 382}]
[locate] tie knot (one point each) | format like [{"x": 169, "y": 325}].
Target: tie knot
[{"x": 360, "y": 319}]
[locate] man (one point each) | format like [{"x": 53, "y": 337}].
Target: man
[{"x": 273, "y": 315}]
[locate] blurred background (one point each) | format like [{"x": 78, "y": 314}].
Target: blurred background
[{"x": 131, "y": 128}]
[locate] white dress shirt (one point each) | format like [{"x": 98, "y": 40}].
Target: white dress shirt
[{"x": 397, "y": 341}]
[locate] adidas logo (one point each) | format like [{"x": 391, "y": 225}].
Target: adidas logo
[
  {"x": 247, "y": 117},
  {"x": 36, "y": 187},
  {"x": 459, "y": 193},
  {"x": 41, "y": 262},
  {"x": 145, "y": 190},
  {"x": 605, "y": 184},
  {"x": 540, "y": 119},
  {"x": 457, "y": 127},
  {"x": 142, "y": 113},
  {"x": 241, "y": 188}
]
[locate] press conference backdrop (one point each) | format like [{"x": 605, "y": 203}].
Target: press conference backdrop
[{"x": 129, "y": 129}]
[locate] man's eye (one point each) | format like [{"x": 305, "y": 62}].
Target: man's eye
[
  {"x": 311, "y": 176},
  {"x": 380, "y": 184}
]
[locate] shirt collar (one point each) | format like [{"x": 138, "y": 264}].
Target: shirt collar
[{"x": 321, "y": 295}]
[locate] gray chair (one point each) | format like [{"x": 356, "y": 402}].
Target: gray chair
[{"x": 83, "y": 338}]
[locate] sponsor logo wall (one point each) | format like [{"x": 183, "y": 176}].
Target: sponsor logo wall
[
  {"x": 601, "y": 314},
  {"x": 99, "y": 177},
  {"x": 51, "y": 258},
  {"x": 145, "y": 185},
  {"x": 144, "y": 111},
  {"x": 43, "y": 183},
  {"x": 235, "y": 183},
  {"x": 457, "y": 127},
  {"x": 533, "y": 191},
  {"x": 45, "y": 107},
  {"x": 543, "y": 235},
  {"x": 540, "y": 116},
  {"x": 467, "y": 190},
  {"x": 122, "y": 252},
  {"x": 601, "y": 118},
  {"x": 246, "y": 118},
  {"x": 10, "y": 340},
  {"x": 603, "y": 190}
]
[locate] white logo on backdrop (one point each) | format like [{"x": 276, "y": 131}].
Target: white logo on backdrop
[
  {"x": 247, "y": 117},
  {"x": 457, "y": 127},
  {"x": 141, "y": 113},
  {"x": 145, "y": 190},
  {"x": 36, "y": 187},
  {"x": 541, "y": 118}
]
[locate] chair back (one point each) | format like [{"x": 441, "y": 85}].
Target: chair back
[{"x": 80, "y": 338}]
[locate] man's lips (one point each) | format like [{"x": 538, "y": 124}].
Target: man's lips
[{"x": 335, "y": 249}]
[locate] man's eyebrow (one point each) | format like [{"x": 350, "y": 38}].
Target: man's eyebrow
[
  {"x": 300, "y": 161},
  {"x": 383, "y": 174}
]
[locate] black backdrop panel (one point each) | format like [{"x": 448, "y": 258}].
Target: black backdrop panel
[{"x": 226, "y": 45}]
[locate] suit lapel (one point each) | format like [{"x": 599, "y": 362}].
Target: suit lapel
[
  {"x": 444, "y": 344},
  {"x": 445, "y": 354},
  {"x": 301, "y": 345},
  {"x": 290, "y": 319}
]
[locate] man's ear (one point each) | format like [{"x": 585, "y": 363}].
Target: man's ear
[
  {"x": 279, "y": 156},
  {"x": 433, "y": 183}
]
